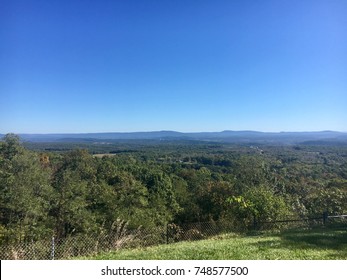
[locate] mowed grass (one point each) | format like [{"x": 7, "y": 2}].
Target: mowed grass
[{"x": 317, "y": 244}]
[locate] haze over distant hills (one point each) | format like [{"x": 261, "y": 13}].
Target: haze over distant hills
[{"x": 246, "y": 136}]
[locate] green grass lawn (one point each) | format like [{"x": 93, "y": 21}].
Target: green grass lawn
[{"x": 317, "y": 244}]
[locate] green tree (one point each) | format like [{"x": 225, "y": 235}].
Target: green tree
[
  {"x": 72, "y": 181},
  {"x": 25, "y": 192},
  {"x": 333, "y": 200},
  {"x": 258, "y": 205}
]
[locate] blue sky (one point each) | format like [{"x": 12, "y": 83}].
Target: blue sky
[{"x": 101, "y": 66}]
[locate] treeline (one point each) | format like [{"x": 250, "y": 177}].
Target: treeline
[{"x": 46, "y": 193}]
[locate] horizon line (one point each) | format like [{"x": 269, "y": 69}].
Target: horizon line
[{"x": 175, "y": 131}]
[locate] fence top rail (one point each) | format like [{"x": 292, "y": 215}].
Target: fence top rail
[
  {"x": 293, "y": 220},
  {"x": 302, "y": 220},
  {"x": 338, "y": 216}
]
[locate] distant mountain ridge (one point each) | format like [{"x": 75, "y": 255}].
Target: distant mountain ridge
[{"x": 243, "y": 136}]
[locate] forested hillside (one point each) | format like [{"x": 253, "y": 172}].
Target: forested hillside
[{"x": 66, "y": 192}]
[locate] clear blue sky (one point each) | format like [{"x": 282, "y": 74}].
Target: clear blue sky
[{"x": 108, "y": 65}]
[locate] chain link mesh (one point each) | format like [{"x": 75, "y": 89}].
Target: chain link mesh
[{"x": 121, "y": 237}]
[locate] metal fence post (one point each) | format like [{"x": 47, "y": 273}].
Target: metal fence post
[
  {"x": 53, "y": 248},
  {"x": 325, "y": 217},
  {"x": 167, "y": 233}
]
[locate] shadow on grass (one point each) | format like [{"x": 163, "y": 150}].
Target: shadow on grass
[
  {"x": 322, "y": 238},
  {"x": 334, "y": 239}
]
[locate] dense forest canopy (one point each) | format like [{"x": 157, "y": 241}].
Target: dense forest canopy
[{"x": 64, "y": 189}]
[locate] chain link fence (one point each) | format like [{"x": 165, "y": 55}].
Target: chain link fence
[
  {"x": 84, "y": 244},
  {"x": 121, "y": 237}
]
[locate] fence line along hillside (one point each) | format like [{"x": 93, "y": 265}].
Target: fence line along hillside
[{"x": 122, "y": 237}]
